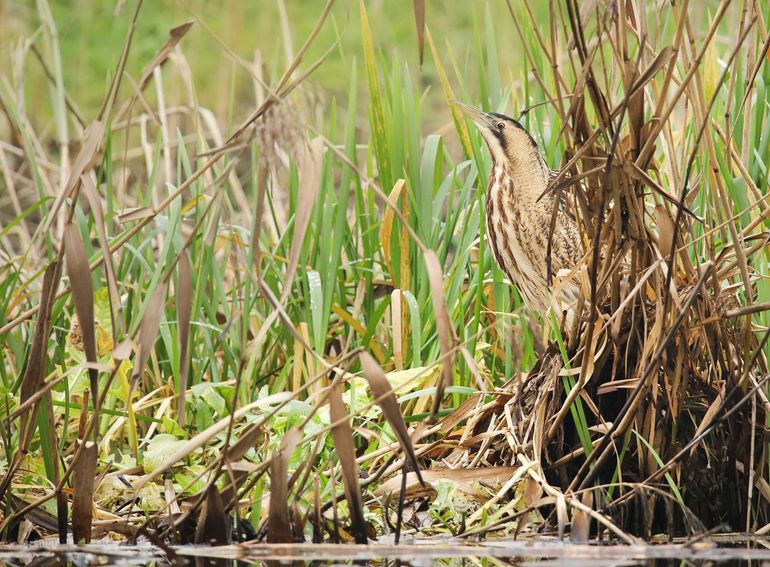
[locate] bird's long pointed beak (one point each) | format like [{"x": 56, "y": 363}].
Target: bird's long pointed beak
[{"x": 479, "y": 117}]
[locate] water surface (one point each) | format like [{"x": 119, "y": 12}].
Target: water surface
[{"x": 418, "y": 553}]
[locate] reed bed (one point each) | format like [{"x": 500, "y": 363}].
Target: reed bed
[{"x": 286, "y": 324}]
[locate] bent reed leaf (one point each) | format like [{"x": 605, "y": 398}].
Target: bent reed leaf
[
  {"x": 346, "y": 453},
  {"x": 383, "y": 394},
  {"x": 87, "y": 157},
  {"x": 79, "y": 273},
  {"x": 94, "y": 201},
  {"x": 148, "y": 329},
  {"x": 444, "y": 326}
]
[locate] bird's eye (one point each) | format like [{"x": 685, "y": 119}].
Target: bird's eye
[{"x": 500, "y": 125}]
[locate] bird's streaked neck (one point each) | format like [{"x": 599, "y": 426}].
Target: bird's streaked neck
[
  {"x": 523, "y": 173},
  {"x": 519, "y": 157}
]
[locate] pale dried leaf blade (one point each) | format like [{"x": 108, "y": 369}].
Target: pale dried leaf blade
[
  {"x": 663, "y": 57},
  {"x": 634, "y": 101},
  {"x": 95, "y": 203},
  {"x": 196, "y": 442},
  {"x": 581, "y": 521},
  {"x": 443, "y": 325},
  {"x": 708, "y": 417},
  {"x": 665, "y": 230},
  {"x": 82, "y": 294},
  {"x": 386, "y": 399},
  {"x": 184, "y": 309},
  {"x": 123, "y": 349},
  {"x": 462, "y": 412},
  {"x": 561, "y": 514},
  {"x": 588, "y": 10},
  {"x": 278, "y": 521},
  {"x": 175, "y": 36},
  {"x": 86, "y": 158},
  {"x": 310, "y": 180},
  {"x": 135, "y": 214},
  {"x": 148, "y": 329},
  {"x": 346, "y": 453},
  {"x": 247, "y": 439}
]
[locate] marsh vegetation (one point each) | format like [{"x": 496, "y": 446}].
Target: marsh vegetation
[{"x": 245, "y": 290}]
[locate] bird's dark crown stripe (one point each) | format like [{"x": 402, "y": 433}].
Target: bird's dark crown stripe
[{"x": 507, "y": 119}]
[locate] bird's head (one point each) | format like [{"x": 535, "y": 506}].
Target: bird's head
[{"x": 506, "y": 139}]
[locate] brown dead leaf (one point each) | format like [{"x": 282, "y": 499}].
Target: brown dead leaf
[
  {"x": 246, "y": 441},
  {"x": 386, "y": 399},
  {"x": 533, "y": 491},
  {"x": 175, "y": 36},
  {"x": 581, "y": 521},
  {"x": 87, "y": 157},
  {"x": 148, "y": 329},
  {"x": 665, "y": 230},
  {"x": 662, "y": 59},
  {"x": 419, "y": 20},
  {"x": 708, "y": 417},
  {"x": 278, "y": 522},
  {"x": 213, "y": 523},
  {"x": 33, "y": 375},
  {"x": 83, "y": 492},
  {"x": 346, "y": 453},
  {"x": 460, "y": 413},
  {"x": 83, "y": 296},
  {"x": 237, "y": 473},
  {"x": 95, "y": 203}
]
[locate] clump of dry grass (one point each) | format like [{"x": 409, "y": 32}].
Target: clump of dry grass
[{"x": 654, "y": 409}]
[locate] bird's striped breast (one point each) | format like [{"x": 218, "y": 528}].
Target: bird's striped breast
[{"x": 517, "y": 244}]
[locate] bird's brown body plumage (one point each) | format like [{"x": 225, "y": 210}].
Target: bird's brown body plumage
[
  {"x": 518, "y": 214},
  {"x": 518, "y": 226}
]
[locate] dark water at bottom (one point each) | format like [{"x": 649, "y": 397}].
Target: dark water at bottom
[{"x": 418, "y": 554}]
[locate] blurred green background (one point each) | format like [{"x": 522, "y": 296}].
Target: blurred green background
[{"x": 91, "y": 35}]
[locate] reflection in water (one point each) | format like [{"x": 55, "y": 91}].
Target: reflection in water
[{"x": 417, "y": 556}]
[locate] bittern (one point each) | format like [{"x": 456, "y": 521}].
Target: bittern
[{"x": 518, "y": 214}]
